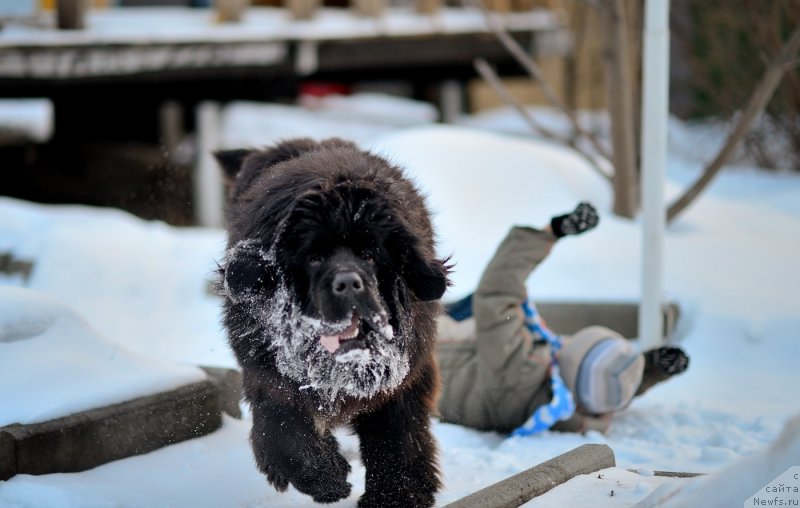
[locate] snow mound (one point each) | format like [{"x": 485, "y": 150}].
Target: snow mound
[
  {"x": 479, "y": 184},
  {"x": 141, "y": 284},
  {"x": 52, "y": 363},
  {"x": 360, "y": 118}
]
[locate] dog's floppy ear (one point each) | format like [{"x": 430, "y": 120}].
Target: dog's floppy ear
[
  {"x": 246, "y": 274},
  {"x": 427, "y": 278},
  {"x": 231, "y": 161}
]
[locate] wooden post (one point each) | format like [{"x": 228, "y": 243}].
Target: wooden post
[
  {"x": 230, "y": 11},
  {"x": 72, "y": 14},
  {"x": 620, "y": 107},
  {"x": 303, "y": 9},
  {"x": 498, "y": 5},
  {"x": 370, "y": 8},
  {"x": 427, "y": 6}
]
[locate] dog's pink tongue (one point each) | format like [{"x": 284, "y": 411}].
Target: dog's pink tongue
[{"x": 331, "y": 342}]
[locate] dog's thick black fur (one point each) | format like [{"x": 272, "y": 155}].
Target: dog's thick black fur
[{"x": 331, "y": 288}]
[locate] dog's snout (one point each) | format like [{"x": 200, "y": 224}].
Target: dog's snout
[{"x": 347, "y": 283}]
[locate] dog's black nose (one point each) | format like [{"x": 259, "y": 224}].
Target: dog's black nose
[{"x": 347, "y": 283}]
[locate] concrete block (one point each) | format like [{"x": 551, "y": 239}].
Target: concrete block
[
  {"x": 8, "y": 456},
  {"x": 567, "y": 318},
  {"x": 229, "y": 382},
  {"x": 87, "y": 439}
]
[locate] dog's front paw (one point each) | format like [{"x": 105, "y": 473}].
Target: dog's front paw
[
  {"x": 277, "y": 479},
  {"x": 394, "y": 499},
  {"x": 324, "y": 478}
]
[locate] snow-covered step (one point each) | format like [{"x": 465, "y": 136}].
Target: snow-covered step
[
  {"x": 72, "y": 399},
  {"x": 90, "y": 438}
]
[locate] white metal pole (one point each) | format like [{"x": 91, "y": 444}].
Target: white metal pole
[
  {"x": 655, "y": 117},
  {"x": 208, "y": 185}
]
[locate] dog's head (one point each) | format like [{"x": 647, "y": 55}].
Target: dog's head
[
  {"x": 332, "y": 250},
  {"x": 349, "y": 253}
]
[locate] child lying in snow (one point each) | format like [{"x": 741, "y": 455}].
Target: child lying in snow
[{"x": 503, "y": 370}]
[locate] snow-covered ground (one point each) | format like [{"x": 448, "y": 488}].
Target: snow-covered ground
[
  {"x": 731, "y": 262},
  {"x": 54, "y": 364}
]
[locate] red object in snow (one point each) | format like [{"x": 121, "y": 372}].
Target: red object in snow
[{"x": 322, "y": 89}]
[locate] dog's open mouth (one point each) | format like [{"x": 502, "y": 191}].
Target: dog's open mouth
[{"x": 350, "y": 338}]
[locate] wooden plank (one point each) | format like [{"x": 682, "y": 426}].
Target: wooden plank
[
  {"x": 76, "y": 62},
  {"x": 522, "y": 487},
  {"x": 421, "y": 51}
]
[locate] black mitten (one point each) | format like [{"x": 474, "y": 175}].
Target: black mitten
[
  {"x": 667, "y": 360},
  {"x": 661, "y": 364},
  {"x": 582, "y": 219}
]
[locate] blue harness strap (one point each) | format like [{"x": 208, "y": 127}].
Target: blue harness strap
[{"x": 562, "y": 404}]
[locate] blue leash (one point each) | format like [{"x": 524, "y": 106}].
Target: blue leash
[{"x": 562, "y": 405}]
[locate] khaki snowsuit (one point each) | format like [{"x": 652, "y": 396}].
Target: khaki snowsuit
[{"x": 494, "y": 374}]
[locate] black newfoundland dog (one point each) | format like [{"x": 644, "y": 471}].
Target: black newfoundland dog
[{"x": 331, "y": 288}]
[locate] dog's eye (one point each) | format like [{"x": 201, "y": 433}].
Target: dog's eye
[
  {"x": 315, "y": 260},
  {"x": 367, "y": 256}
]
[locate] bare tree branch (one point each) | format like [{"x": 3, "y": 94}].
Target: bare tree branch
[
  {"x": 490, "y": 76},
  {"x": 521, "y": 56},
  {"x": 755, "y": 106},
  {"x": 791, "y": 65}
]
